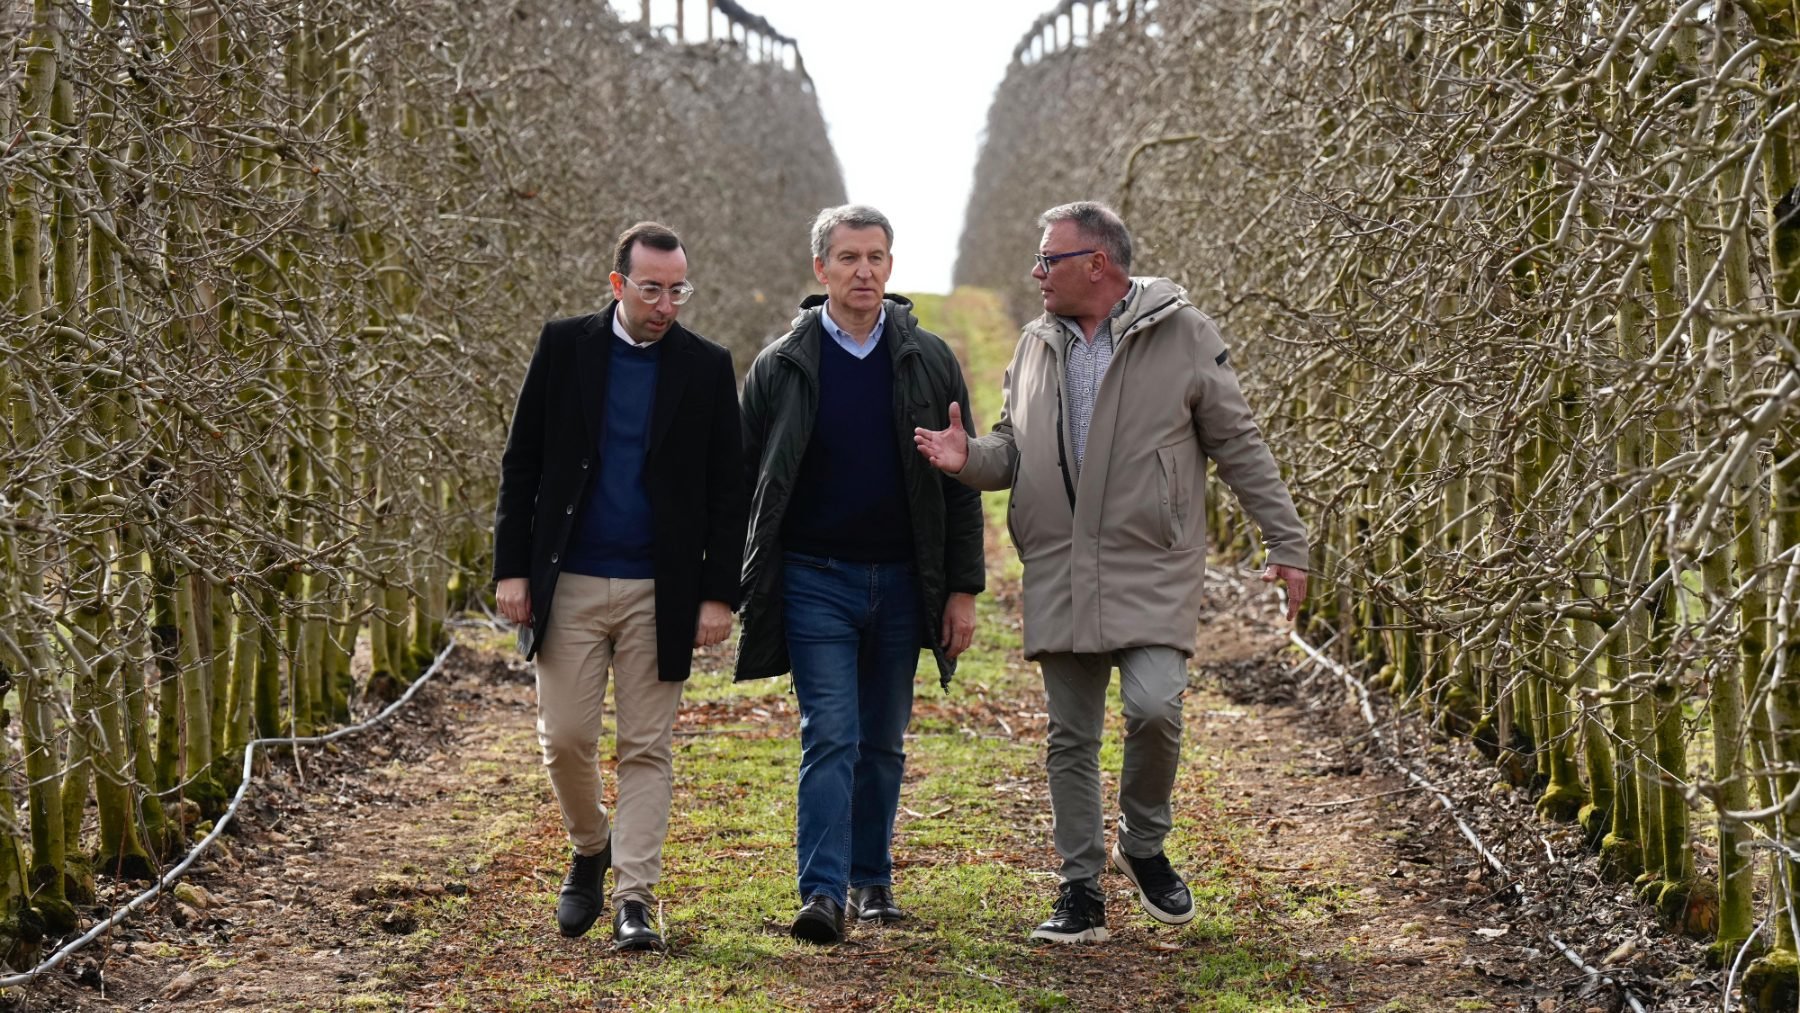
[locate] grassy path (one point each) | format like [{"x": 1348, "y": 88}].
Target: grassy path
[
  {"x": 973, "y": 856},
  {"x": 974, "y": 864},
  {"x": 417, "y": 869}
]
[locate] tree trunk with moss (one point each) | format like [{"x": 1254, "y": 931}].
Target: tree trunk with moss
[
  {"x": 37, "y": 704},
  {"x": 1728, "y": 563},
  {"x": 1772, "y": 978}
]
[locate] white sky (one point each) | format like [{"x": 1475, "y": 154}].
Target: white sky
[{"x": 905, "y": 88}]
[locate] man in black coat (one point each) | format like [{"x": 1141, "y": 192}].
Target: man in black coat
[{"x": 618, "y": 541}]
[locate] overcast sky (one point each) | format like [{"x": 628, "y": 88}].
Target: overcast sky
[{"x": 905, "y": 88}]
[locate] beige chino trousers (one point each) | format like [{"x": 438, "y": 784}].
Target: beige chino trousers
[{"x": 597, "y": 623}]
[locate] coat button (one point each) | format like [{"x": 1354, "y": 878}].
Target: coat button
[
  {"x": 584, "y": 464},
  {"x": 553, "y": 557},
  {"x": 569, "y": 509}
]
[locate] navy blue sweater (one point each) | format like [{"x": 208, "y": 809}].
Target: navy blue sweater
[
  {"x": 849, "y": 500},
  {"x": 614, "y": 536}
]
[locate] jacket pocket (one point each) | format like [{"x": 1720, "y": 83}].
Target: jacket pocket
[{"x": 1170, "y": 474}]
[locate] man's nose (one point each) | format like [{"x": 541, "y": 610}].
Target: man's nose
[{"x": 1038, "y": 272}]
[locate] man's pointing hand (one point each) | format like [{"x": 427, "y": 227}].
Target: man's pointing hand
[{"x": 946, "y": 449}]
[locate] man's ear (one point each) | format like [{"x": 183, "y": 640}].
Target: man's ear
[
  {"x": 819, "y": 269},
  {"x": 617, "y": 281}
]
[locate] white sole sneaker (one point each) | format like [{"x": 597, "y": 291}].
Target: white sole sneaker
[
  {"x": 1120, "y": 862},
  {"x": 1093, "y": 935}
]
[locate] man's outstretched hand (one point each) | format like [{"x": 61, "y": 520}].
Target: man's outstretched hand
[
  {"x": 946, "y": 449},
  {"x": 1295, "y": 579}
]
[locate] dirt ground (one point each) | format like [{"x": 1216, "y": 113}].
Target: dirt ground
[{"x": 329, "y": 894}]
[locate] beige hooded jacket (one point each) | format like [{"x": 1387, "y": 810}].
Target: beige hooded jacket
[{"x": 1116, "y": 557}]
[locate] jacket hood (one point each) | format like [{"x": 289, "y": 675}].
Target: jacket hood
[{"x": 1150, "y": 302}]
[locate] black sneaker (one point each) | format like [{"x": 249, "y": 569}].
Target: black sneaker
[
  {"x": 583, "y": 892},
  {"x": 1160, "y": 890},
  {"x": 1079, "y": 915}
]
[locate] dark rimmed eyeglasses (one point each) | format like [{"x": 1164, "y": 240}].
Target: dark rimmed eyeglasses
[
  {"x": 652, "y": 293},
  {"x": 1045, "y": 261}
]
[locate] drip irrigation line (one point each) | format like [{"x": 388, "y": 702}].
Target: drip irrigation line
[
  {"x": 1389, "y": 756},
  {"x": 1737, "y": 962},
  {"x": 168, "y": 879}
]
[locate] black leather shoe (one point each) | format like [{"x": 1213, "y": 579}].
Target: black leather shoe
[
  {"x": 875, "y": 904},
  {"x": 631, "y": 928},
  {"x": 1079, "y": 915},
  {"x": 1160, "y": 890},
  {"x": 583, "y": 892},
  {"x": 821, "y": 920}
]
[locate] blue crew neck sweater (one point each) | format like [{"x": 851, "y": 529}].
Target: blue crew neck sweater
[
  {"x": 849, "y": 500},
  {"x": 614, "y": 536}
]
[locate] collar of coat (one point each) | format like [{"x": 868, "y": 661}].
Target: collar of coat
[
  {"x": 1152, "y": 300},
  {"x": 801, "y": 342},
  {"x": 600, "y": 333}
]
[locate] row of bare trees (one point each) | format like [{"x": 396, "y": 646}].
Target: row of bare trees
[
  {"x": 269, "y": 272},
  {"x": 1516, "y": 286}
]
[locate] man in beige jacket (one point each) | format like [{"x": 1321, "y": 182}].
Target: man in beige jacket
[{"x": 1114, "y": 400}]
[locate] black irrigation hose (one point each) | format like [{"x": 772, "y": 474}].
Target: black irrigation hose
[
  {"x": 162, "y": 885},
  {"x": 1493, "y": 861}
]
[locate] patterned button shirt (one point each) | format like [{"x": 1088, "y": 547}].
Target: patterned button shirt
[{"x": 1084, "y": 365}]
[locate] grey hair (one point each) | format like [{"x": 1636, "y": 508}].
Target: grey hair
[
  {"x": 857, "y": 216},
  {"x": 1099, "y": 223}
]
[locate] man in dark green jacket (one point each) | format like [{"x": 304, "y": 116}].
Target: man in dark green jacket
[{"x": 859, "y": 555}]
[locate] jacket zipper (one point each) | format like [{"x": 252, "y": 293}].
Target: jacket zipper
[{"x": 1062, "y": 457}]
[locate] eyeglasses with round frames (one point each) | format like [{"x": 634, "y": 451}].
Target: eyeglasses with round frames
[
  {"x": 1045, "y": 261},
  {"x": 652, "y": 293}
]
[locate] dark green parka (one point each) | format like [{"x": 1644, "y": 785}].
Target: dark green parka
[{"x": 781, "y": 403}]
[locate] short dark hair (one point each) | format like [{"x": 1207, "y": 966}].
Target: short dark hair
[
  {"x": 655, "y": 235},
  {"x": 1099, "y": 223}
]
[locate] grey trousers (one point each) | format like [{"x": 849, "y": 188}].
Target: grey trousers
[{"x": 1152, "y": 681}]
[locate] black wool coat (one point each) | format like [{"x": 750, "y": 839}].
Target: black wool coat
[{"x": 693, "y": 472}]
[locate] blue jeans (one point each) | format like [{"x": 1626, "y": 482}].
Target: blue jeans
[{"x": 853, "y": 637}]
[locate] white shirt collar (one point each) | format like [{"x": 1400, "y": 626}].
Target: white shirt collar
[
  {"x": 625, "y": 335},
  {"x": 843, "y": 338}
]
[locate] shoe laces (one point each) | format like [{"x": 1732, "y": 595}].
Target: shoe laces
[
  {"x": 1075, "y": 897},
  {"x": 1155, "y": 874},
  {"x": 635, "y": 909},
  {"x": 584, "y": 866}
]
